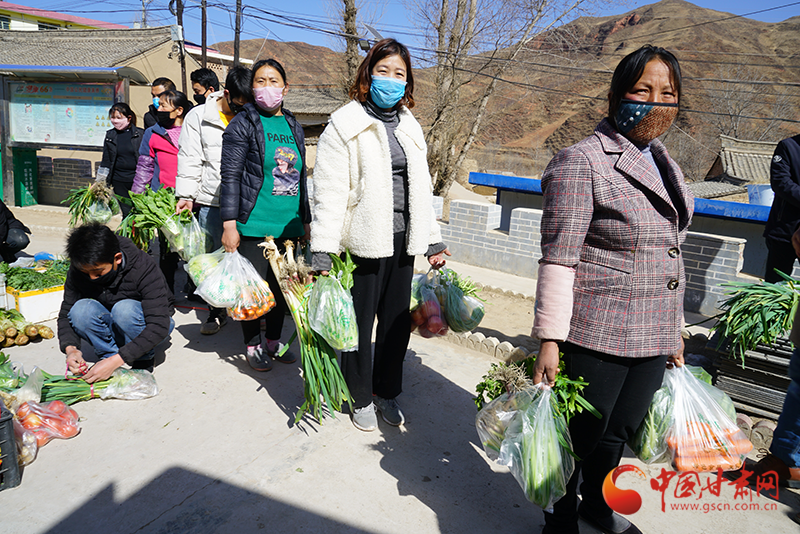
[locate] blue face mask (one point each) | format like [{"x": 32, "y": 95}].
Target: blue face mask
[
  {"x": 386, "y": 92},
  {"x": 155, "y": 102}
]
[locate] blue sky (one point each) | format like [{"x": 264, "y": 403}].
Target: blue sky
[{"x": 277, "y": 18}]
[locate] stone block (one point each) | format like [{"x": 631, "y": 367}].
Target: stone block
[
  {"x": 489, "y": 345},
  {"x": 475, "y": 340},
  {"x": 518, "y": 354},
  {"x": 503, "y": 351}
]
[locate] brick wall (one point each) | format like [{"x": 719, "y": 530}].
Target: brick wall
[
  {"x": 57, "y": 177},
  {"x": 472, "y": 235}
]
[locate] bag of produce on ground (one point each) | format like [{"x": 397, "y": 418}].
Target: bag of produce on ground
[
  {"x": 331, "y": 313},
  {"x": 27, "y": 446},
  {"x": 463, "y": 309},
  {"x": 48, "y": 420},
  {"x": 222, "y": 287},
  {"x": 255, "y": 299},
  {"x": 124, "y": 384},
  {"x": 184, "y": 235},
  {"x": 537, "y": 448},
  {"x": 200, "y": 266},
  {"x": 9, "y": 376},
  {"x": 702, "y": 437},
  {"x": 428, "y": 317},
  {"x": 95, "y": 203}
]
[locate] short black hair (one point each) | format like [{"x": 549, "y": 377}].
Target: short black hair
[
  {"x": 177, "y": 99},
  {"x": 168, "y": 84},
  {"x": 267, "y": 62},
  {"x": 238, "y": 83},
  {"x": 205, "y": 77},
  {"x": 125, "y": 110},
  {"x": 630, "y": 69},
  {"x": 91, "y": 244}
]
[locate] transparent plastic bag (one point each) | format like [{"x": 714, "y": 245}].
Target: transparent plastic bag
[
  {"x": 255, "y": 299},
  {"x": 702, "y": 437},
  {"x": 331, "y": 314},
  {"x": 537, "y": 448},
  {"x": 200, "y": 266},
  {"x": 428, "y": 317},
  {"x": 31, "y": 391},
  {"x": 222, "y": 287},
  {"x": 416, "y": 281},
  {"x": 649, "y": 443},
  {"x": 98, "y": 212},
  {"x": 186, "y": 238},
  {"x": 494, "y": 418},
  {"x": 463, "y": 313},
  {"x": 27, "y": 446},
  {"x": 130, "y": 384},
  {"x": 48, "y": 420}
]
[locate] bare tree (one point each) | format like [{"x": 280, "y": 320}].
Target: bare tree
[
  {"x": 346, "y": 15},
  {"x": 352, "y": 60},
  {"x": 743, "y": 106},
  {"x": 475, "y": 42}
]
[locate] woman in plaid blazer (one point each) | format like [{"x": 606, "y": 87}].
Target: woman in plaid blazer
[{"x": 611, "y": 281}]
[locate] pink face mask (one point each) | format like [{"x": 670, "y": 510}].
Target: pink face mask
[
  {"x": 268, "y": 98},
  {"x": 120, "y": 124}
]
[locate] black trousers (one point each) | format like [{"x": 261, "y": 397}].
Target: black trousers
[
  {"x": 382, "y": 289},
  {"x": 621, "y": 389},
  {"x": 781, "y": 256},
  {"x": 251, "y": 330}
]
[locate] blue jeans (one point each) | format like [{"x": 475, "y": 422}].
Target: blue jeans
[
  {"x": 786, "y": 439},
  {"x": 109, "y": 330},
  {"x": 211, "y": 222}
]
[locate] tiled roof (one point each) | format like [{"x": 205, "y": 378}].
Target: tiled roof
[
  {"x": 79, "y": 48},
  {"x": 746, "y": 160},
  {"x": 714, "y": 189},
  {"x": 314, "y": 100}
]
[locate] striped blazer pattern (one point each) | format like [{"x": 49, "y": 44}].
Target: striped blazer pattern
[{"x": 608, "y": 214}]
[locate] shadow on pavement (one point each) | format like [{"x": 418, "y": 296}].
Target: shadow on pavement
[
  {"x": 432, "y": 461},
  {"x": 184, "y": 502}
]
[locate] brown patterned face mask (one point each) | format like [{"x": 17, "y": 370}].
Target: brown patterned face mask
[{"x": 641, "y": 122}]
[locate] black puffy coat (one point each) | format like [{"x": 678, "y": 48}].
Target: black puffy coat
[
  {"x": 139, "y": 278},
  {"x": 784, "y": 172},
  {"x": 8, "y": 221},
  {"x": 110, "y": 149},
  {"x": 242, "y": 165}
]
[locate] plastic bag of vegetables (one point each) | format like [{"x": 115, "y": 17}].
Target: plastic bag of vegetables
[
  {"x": 428, "y": 317},
  {"x": 255, "y": 299},
  {"x": 130, "y": 384},
  {"x": 495, "y": 417},
  {"x": 184, "y": 235},
  {"x": 702, "y": 436},
  {"x": 200, "y": 266},
  {"x": 98, "y": 212},
  {"x": 93, "y": 203},
  {"x": 331, "y": 313},
  {"x": 537, "y": 448},
  {"x": 27, "y": 446},
  {"x": 48, "y": 420},
  {"x": 463, "y": 309},
  {"x": 223, "y": 286}
]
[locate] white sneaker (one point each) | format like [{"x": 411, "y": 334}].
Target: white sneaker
[{"x": 365, "y": 418}]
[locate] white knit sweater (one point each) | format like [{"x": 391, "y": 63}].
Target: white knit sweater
[{"x": 353, "y": 201}]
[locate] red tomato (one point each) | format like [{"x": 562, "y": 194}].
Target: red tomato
[
  {"x": 55, "y": 406},
  {"x": 31, "y": 421},
  {"x": 42, "y": 437},
  {"x": 23, "y": 410},
  {"x": 71, "y": 415}
]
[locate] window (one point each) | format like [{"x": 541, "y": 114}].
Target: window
[
  {"x": 5, "y": 22},
  {"x": 46, "y": 26}
]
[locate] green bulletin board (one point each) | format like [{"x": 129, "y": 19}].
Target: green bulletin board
[{"x": 61, "y": 113}]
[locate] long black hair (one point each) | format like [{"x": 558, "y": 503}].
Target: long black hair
[
  {"x": 177, "y": 99},
  {"x": 630, "y": 69},
  {"x": 125, "y": 110}
]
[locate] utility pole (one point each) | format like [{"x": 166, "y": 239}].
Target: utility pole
[
  {"x": 237, "y": 32},
  {"x": 177, "y": 10},
  {"x": 203, "y": 38}
]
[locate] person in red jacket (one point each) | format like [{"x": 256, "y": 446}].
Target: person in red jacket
[{"x": 158, "y": 163}]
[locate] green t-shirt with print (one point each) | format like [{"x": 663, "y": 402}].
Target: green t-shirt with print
[{"x": 277, "y": 209}]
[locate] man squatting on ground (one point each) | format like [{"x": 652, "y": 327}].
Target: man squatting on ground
[{"x": 116, "y": 298}]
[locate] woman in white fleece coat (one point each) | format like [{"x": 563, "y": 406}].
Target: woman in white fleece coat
[{"x": 372, "y": 196}]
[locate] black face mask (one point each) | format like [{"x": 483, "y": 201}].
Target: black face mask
[
  {"x": 106, "y": 279},
  {"x": 235, "y": 108},
  {"x": 164, "y": 119},
  {"x": 200, "y": 99}
]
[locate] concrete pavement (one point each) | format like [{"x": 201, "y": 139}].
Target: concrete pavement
[{"x": 217, "y": 451}]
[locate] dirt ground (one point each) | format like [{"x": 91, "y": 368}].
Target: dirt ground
[{"x": 508, "y": 318}]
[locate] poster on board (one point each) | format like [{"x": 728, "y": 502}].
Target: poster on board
[{"x": 61, "y": 113}]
